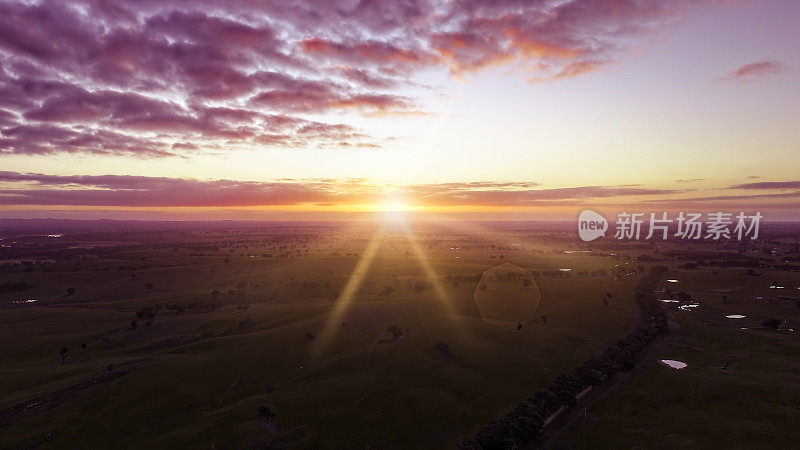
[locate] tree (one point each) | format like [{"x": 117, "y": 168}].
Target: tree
[
  {"x": 63, "y": 354},
  {"x": 772, "y": 323},
  {"x": 443, "y": 349},
  {"x": 83, "y": 346},
  {"x": 728, "y": 361},
  {"x": 396, "y": 332},
  {"x": 519, "y": 326},
  {"x": 14, "y": 286},
  {"x": 71, "y": 291},
  {"x": 468, "y": 444},
  {"x": 265, "y": 412},
  {"x": 544, "y": 319},
  {"x": 133, "y": 323},
  {"x": 526, "y": 282}
]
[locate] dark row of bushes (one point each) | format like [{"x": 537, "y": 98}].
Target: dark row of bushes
[{"x": 523, "y": 423}]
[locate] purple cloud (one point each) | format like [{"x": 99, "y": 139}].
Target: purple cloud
[
  {"x": 768, "y": 185},
  {"x": 756, "y": 70},
  {"x": 141, "y": 191},
  {"x": 152, "y": 78}
]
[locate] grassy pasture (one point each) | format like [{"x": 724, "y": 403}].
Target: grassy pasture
[
  {"x": 755, "y": 403},
  {"x": 199, "y": 377}
]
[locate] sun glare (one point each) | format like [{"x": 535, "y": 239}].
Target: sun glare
[{"x": 393, "y": 207}]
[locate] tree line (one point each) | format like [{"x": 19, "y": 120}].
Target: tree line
[{"x": 523, "y": 423}]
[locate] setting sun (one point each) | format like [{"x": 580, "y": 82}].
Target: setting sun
[{"x": 394, "y": 207}]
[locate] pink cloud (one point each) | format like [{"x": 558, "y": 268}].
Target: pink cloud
[
  {"x": 212, "y": 73},
  {"x": 140, "y": 191},
  {"x": 756, "y": 70}
]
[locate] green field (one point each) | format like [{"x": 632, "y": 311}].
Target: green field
[
  {"x": 197, "y": 376},
  {"x": 754, "y": 403}
]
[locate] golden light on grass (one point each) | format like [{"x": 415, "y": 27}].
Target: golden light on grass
[
  {"x": 348, "y": 293},
  {"x": 430, "y": 273}
]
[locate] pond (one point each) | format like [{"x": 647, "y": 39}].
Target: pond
[
  {"x": 735, "y": 316},
  {"x": 674, "y": 364},
  {"x": 24, "y": 301}
]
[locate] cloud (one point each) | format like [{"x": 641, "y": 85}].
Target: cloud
[
  {"x": 768, "y": 185},
  {"x": 690, "y": 180},
  {"x": 150, "y": 78},
  {"x": 729, "y": 198},
  {"x": 755, "y": 70},
  {"x": 140, "y": 191},
  {"x": 518, "y": 195}
]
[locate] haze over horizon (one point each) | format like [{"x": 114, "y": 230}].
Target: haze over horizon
[{"x": 333, "y": 110}]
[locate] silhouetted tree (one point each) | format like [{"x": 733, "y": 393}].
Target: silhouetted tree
[
  {"x": 83, "y": 346},
  {"x": 468, "y": 444},
  {"x": 526, "y": 282},
  {"x": 443, "y": 349},
  {"x": 134, "y": 322},
  {"x": 309, "y": 336},
  {"x": 265, "y": 412},
  {"x": 14, "y": 286},
  {"x": 63, "y": 354},
  {"x": 71, "y": 291},
  {"x": 728, "y": 362},
  {"x": 519, "y": 326},
  {"x": 396, "y": 332},
  {"x": 544, "y": 319},
  {"x": 772, "y": 323}
]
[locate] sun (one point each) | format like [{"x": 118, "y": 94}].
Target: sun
[
  {"x": 393, "y": 207},
  {"x": 394, "y": 210}
]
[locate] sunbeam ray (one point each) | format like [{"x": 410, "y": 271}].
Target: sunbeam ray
[{"x": 346, "y": 297}]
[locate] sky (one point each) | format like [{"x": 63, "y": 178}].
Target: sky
[{"x": 519, "y": 110}]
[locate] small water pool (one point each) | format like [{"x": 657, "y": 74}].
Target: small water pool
[{"x": 674, "y": 364}]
